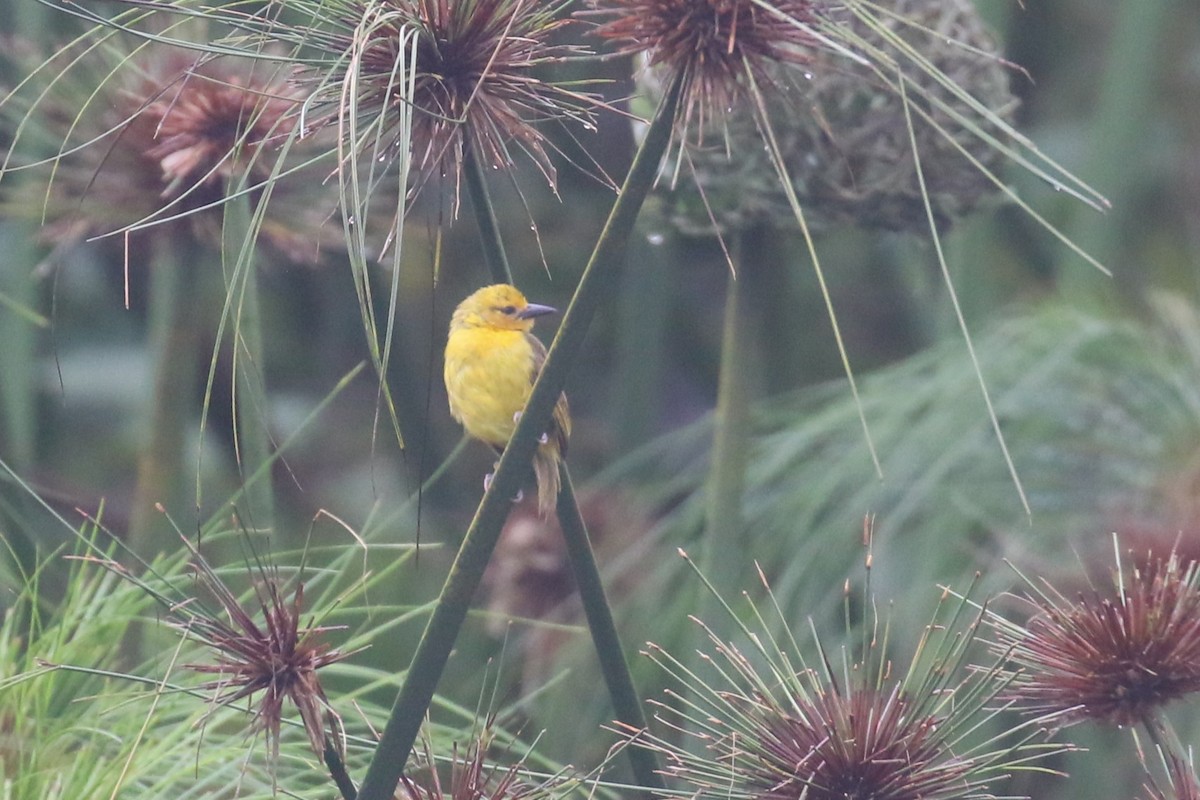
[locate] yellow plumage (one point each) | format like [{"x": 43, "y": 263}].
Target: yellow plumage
[{"x": 492, "y": 359}]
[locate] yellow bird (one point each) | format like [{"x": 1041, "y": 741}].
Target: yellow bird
[{"x": 492, "y": 359}]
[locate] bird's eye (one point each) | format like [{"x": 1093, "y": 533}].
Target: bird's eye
[{"x": 510, "y": 310}]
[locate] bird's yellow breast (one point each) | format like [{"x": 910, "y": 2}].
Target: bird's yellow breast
[{"x": 489, "y": 375}]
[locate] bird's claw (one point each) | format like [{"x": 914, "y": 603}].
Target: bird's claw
[
  {"x": 543, "y": 439},
  {"x": 487, "y": 484}
]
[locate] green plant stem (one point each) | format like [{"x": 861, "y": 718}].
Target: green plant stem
[
  {"x": 485, "y": 218},
  {"x": 721, "y": 556},
  {"x": 337, "y": 770},
  {"x": 596, "y": 287},
  {"x": 613, "y": 664},
  {"x": 249, "y": 391},
  {"x": 611, "y": 655},
  {"x": 173, "y": 341}
]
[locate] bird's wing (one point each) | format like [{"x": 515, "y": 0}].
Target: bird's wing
[{"x": 560, "y": 425}]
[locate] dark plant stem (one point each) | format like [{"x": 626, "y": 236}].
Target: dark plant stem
[
  {"x": 485, "y": 218},
  {"x": 597, "y": 286},
  {"x": 337, "y": 770},
  {"x": 611, "y": 655},
  {"x": 609, "y": 652}
]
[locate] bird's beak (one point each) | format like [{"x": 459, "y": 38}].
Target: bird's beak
[{"x": 534, "y": 310}]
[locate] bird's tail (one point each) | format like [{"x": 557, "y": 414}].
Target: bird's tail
[{"x": 545, "y": 469}]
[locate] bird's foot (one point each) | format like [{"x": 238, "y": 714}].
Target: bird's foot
[
  {"x": 543, "y": 439},
  {"x": 487, "y": 484}
]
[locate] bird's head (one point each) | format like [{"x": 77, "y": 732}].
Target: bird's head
[{"x": 499, "y": 306}]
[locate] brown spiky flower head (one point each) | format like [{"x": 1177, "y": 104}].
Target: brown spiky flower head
[
  {"x": 764, "y": 725},
  {"x": 1114, "y": 656},
  {"x": 717, "y": 49},
  {"x": 430, "y": 81},
  {"x": 267, "y": 652},
  {"x": 865, "y": 743},
  {"x": 259, "y": 647},
  {"x": 156, "y": 139},
  {"x": 473, "y": 774}
]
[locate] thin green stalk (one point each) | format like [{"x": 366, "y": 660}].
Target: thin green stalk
[
  {"x": 613, "y": 664},
  {"x": 337, "y": 769},
  {"x": 173, "y": 342},
  {"x": 249, "y": 391},
  {"x": 597, "y": 286},
  {"x": 485, "y": 217},
  {"x": 720, "y": 557}
]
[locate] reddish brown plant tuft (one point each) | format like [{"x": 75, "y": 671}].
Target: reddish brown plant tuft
[
  {"x": 714, "y": 46},
  {"x": 209, "y": 126},
  {"x": 158, "y": 141},
  {"x": 763, "y": 725},
  {"x": 476, "y": 81},
  {"x": 472, "y": 775},
  {"x": 1112, "y": 657},
  {"x": 868, "y": 743},
  {"x": 267, "y": 652}
]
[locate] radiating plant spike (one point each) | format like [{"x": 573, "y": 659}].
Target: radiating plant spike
[
  {"x": 482, "y": 770},
  {"x": 716, "y": 46},
  {"x": 438, "y": 79},
  {"x": 155, "y": 138},
  {"x": 258, "y": 647},
  {"x": 766, "y": 724},
  {"x": 419, "y": 83},
  {"x": 265, "y": 650},
  {"x": 1113, "y": 655}
]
